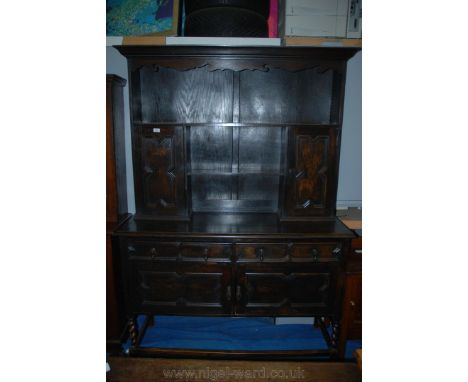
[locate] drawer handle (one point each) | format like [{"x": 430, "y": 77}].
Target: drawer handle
[
  {"x": 238, "y": 293},
  {"x": 261, "y": 254},
  {"x": 352, "y": 303},
  {"x": 205, "y": 252},
  {"x": 228, "y": 293},
  {"x": 337, "y": 252},
  {"x": 315, "y": 254},
  {"x": 154, "y": 253}
]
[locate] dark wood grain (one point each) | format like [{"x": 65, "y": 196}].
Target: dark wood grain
[
  {"x": 235, "y": 154},
  {"x": 194, "y": 96},
  {"x": 351, "y": 316},
  {"x": 287, "y": 289},
  {"x": 235, "y": 58},
  {"x": 312, "y": 177},
  {"x": 237, "y": 226},
  {"x": 160, "y": 172},
  {"x": 279, "y": 96},
  {"x": 116, "y": 179},
  {"x": 116, "y": 201}
]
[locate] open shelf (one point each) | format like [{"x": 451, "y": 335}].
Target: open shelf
[{"x": 235, "y": 168}]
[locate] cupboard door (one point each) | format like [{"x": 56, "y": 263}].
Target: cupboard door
[
  {"x": 292, "y": 290},
  {"x": 160, "y": 176},
  {"x": 312, "y": 170},
  {"x": 160, "y": 287}
]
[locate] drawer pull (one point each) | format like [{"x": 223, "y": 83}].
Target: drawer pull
[
  {"x": 315, "y": 254},
  {"x": 228, "y": 293},
  {"x": 238, "y": 293},
  {"x": 154, "y": 253},
  {"x": 352, "y": 303},
  {"x": 261, "y": 255},
  {"x": 205, "y": 253}
]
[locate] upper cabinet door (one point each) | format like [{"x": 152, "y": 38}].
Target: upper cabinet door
[
  {"x": 160, "y": 175},
  {"x": 312, "y": 172}
]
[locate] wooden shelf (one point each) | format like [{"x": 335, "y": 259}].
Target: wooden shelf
[
  {"x": 220, "y": 41},
  {"x": 322, "y": 41}
]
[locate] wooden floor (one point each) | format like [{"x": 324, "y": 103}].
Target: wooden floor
[{"x": 126, "y": 369}]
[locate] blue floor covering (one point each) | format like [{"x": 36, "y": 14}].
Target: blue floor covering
[{"x": 228, "y": 333}]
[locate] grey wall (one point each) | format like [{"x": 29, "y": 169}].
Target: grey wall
[
  {"x": 350, "y": 178},
  {"x": 117, "y": 64},
  {"x": 349, "y": 183}
]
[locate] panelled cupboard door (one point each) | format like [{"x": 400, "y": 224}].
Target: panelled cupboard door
[
  {"x": 286, "y": 290},
  {"x": 160, "y": 181},
  {"x": 165, "y": 287},
  {"x": 312, "y": 169}
]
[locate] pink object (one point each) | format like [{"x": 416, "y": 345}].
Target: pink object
[{"x": 273, "y": 19}]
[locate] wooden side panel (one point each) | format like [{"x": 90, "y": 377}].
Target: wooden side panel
[
  {"x": 351, "y": 315},
  {"x": 113, "y": 328},
  {"x": 116, "y": 184}
]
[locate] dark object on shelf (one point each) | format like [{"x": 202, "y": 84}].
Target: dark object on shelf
[
  {"x": 262, "y": 7},
  {"x": 226, "y": 18},
  {"x": 235, "y": 155}
]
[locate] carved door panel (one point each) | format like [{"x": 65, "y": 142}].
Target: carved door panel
[
  {"x": 292, "y": 290},
  {"x": 160, "y": 182},
  {"x": 160, "y": 287},
  {"x": 312, "y": 164}
]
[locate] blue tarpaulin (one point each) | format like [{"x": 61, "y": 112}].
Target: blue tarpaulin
[{"x": 229, "y": 333}]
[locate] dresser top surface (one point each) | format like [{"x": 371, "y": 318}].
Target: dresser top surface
[
  {"x": 236, "y": 225},
  {"x": 254, "y": 51}
]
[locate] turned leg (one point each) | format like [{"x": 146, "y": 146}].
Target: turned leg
[
  {"x": 133, "y": 330},
  {"x": 335, "y": 344}
]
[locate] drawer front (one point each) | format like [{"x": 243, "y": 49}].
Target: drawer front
[
  {"x": 261, "y": 252},
  {"x": 316, "y": 252},
  {"x": 177, "y": 251},
  {"x": 273, "y": 253}
]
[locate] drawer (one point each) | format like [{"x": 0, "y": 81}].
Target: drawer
[
  {"x": 179, "y": 251},
  {"x": 307, "y": 252},
  {"x": 314, "y": 252},
  {"x": 261, "y": 252}
]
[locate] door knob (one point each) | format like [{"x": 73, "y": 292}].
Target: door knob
[
  {"x": 314, "y": 253},
  {"x": 261, "y": 252}
]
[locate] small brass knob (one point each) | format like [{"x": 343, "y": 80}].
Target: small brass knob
[
  {"x": 315, "y": 254},
  {"x": 261, "y": 254}
]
